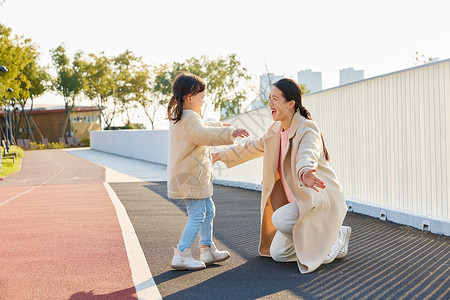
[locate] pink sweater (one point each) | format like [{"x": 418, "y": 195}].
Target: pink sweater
[{"x": 283, "y": 146}]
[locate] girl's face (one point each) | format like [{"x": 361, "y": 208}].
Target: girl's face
[
  {"x": 196, "y": 101},
  {"x": 281, "y": 109}
]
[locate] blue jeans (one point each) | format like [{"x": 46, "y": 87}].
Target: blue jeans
[{"x": 201, "y": 213}]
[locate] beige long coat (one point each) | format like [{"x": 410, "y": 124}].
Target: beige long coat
[{"x": 321, "y": 213}]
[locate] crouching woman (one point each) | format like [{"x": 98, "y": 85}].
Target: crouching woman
[{"x": 302, "y": 203}]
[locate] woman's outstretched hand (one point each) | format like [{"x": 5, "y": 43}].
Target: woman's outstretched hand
[
  {"x": 215, "y": 157},
  {"x": 312, "y": 181},
  {"x": 241, "y": 132}
]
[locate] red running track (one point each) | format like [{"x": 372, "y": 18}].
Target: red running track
[{"x": 60, "y": 237}]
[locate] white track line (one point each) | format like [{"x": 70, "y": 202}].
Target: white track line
[
  {"x": 142, "y": 277},
  {"x": 37, "y": 186}
]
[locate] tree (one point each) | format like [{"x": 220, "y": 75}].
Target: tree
[
  {"x": 25, "y": 76},
  {"x": 160, "y": 91},
  {"x": 68, "y": 82},
  {"x": 99, "y": 86},
  {"x": 33, "y": 82},
  {"x": 224, "y": 77},
  {"x": 131, "y": 78},
  {"x": 225, "y": 82}
]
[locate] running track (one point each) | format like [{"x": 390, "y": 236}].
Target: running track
[{"x": 61, "y": 237}]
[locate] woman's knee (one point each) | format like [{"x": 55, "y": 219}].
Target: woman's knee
[
  {"x": 285, "y": 218},
  {"x": 280, "y": 221}
]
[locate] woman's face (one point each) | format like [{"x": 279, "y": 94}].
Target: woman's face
[{"x": 281, "y": 109}]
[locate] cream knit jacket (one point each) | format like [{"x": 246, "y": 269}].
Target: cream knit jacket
[{"x": 189, "y": 174}]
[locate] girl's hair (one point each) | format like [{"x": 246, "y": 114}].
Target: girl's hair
[
  {"x": 185, "y": 84},
  {"x": 291, "y": 91}
]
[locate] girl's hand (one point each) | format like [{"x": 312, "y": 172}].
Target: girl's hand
[
  {"x": 241, "y": 132},
  {"x": 215, "y": 157},
  {"x": 312, "y": 181}
]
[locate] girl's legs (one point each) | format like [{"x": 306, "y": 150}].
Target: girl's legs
[
  {"x": 206, "y": 229},
  {"x": 282, "y": 247},
  {"x": 196, "y": 212}
]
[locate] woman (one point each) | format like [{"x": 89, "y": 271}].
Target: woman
[{"x": 299, "y": 222}]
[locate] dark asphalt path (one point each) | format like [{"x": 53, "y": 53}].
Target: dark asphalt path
[{"x": 385, "y": 261}]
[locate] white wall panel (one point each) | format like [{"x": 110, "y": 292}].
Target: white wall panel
[{"x": 389, "y": 139}]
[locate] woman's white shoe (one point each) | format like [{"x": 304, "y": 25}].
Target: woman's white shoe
[
  {"x": 210, "y": 255},
  {"x": 340, "y": 246},
  {"x": 185, "y": 261}
]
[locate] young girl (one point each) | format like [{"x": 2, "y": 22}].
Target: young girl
[{"x": 189, "y": 169}]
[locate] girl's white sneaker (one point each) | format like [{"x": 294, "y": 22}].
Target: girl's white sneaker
[
  {"x": 185, "y": 261},
  {"x": 210, "y": 255}
]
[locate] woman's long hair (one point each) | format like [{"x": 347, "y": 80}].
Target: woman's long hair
[
  {"x": 291, "y": 91},
  {"x": 185, "y": 84}
]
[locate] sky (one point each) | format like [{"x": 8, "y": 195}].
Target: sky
[{"x": 282, "y": 37}]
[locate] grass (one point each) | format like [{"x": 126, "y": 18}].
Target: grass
[{"x": 8, "y": 165}]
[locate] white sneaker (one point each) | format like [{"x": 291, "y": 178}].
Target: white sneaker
[
  {"x": 344, "y": 249},
  {"x": 210, "y": 255},
  {"x": 185, "y": 261},
  {"x": 340, "y": 244}
]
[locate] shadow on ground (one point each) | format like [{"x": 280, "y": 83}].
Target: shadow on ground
[{"x": 385, "y": 260}]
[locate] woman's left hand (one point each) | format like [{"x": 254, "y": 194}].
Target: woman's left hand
[{"x": 312, "y": 181}]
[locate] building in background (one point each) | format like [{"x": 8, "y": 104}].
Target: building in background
[
  {"x": 265, "y": 84},
  {"x": 312, "y": 80},
  {"x": 48, "y": 122},
  {"x": 350, "y": 75}
]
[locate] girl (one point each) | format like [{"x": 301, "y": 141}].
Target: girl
[
  {"x": 299, "y": 222},
  {"x": 189, "y": 169}
]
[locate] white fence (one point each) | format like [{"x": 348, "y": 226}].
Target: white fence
[{"x": 388, "y": 138}]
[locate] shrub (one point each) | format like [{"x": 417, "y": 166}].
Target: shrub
[
  {"x": 57, "y": 145},
  {"x": 36, "y": 146},
  {"x": 14, "y": 149},
  {"x": 86, "y": 142}
]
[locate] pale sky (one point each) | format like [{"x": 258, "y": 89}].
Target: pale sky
[{"x": 377, "y": 36}]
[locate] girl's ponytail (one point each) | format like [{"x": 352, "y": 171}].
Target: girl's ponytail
[{"x": 175, "y": 109}]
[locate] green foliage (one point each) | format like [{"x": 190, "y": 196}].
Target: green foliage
[
  {"x": 128, "y": 126},
  {"x": 8, "y": 166},
  {"x": 14, "y": 149},
  {"x": 131, "y": 76},
  {"x": 37, "y": 146},
  {"x": 86, "y": 142},
  {"x": 116, "y": 85},
  {"x": 69, "y": 80},
  {"x": 57, "y": 145},
  {"x": 224, "y": 77}
]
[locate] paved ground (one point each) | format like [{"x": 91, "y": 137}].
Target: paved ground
[
  {"x": 386, "y": 261},
  {"x": 60, "y": 235},
  {"x": 56, "y": 210}
]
